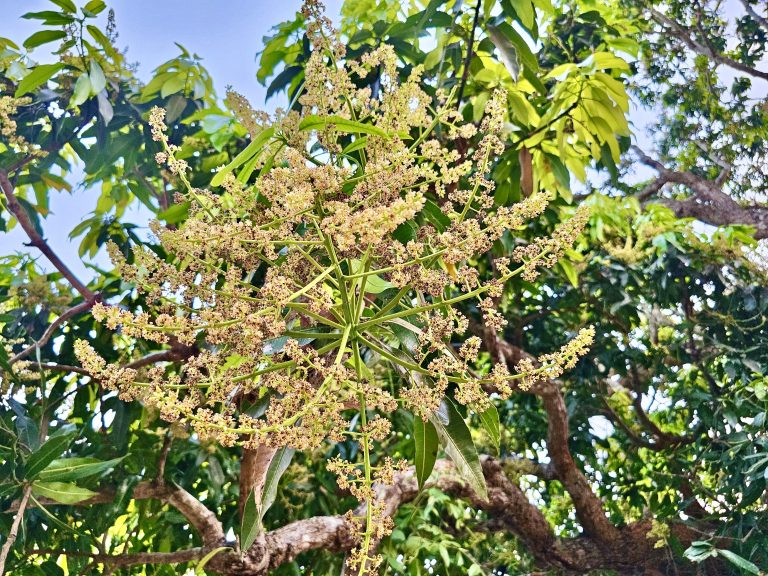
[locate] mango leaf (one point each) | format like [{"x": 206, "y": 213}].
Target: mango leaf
[
  {"x": 81, "y": 91},
  {"x": 66, "y": 5},
  {"x": 43, "y": 37},
  {"x": 76, "y": 468},
  {"x": 741, "y": 562},
  {"x": 62, "y": 492},
  {"x": 280, "y": 462},
  {"x": 46, "y": 454},
  {"x": 340, "y": 124},
  {"x": 248, "y": 152},
  {"x": 95, "y": 6},
  {"x": 175, "y": 213},
  {"x": 37, "y": 77},
  {"x": 457, "y": 442},
  {"x": 426, "y": 442},
  {"x": 251, "y": 523},
  {"x": 98, "y": 80},
  {"x": 490, "y": 421}
]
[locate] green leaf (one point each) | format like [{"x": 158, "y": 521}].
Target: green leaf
[
  {"x": 103, "y": 41},
  {"x": 739, "y": 561},
  {"x": 356, "y": 145},
  {"x": 570, "y": 272},
  {"x": 248, "y": 152},
  {"x": 43, "y": 37},
  {"x": 200, "y": 568},
  {"x": 95, "y": 6},
  {"x": 280, "y": 462},
  {"x": 50, "y": 17},
  {"x": 490, "y": 421},
  {"x": 98, "y": 80},
  {"x": 66, "y": 5},
  {"x": 37, "y": 77},
  {"x": 251, "y": 524},
  {"x": 524, "y": 11},
  {"x": 175, "y": 213},
  {"x": 457, "y": 442},
  {"x": 175, "y": 108},
  {"x": 173, "y": 85},
  {"x": 46, "y": 454},
  {"x": 62, "y": 492},
  {"x": 340, "y": 124},
  {"x": 81, "y": 91},
  {"x": 76, "y": 468},
  {"x": 426, "y": 442}
]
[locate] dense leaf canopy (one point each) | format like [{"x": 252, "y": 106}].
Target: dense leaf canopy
[{"x": 427, "y": 316}]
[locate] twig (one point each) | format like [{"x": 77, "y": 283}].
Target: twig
[
  {"x": 50, "y": 331},
  {"x": 14, "y": 527},
  {"x": 470, "y": 45},
  {"x": 39, "y": 242}
]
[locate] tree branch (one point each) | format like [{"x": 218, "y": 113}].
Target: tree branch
[
  {"x": 51, "y": 330},
  {"x": 707, "y": 203},
  {"x": 124, "y": 560},
  {"x": 685, "y": 35},
  {"x": 14, "y": 531},
  {"x": 38, "y": 241},
  {"x": 589, "y": 508},
  {"x": 468, "y": 59},
  {"x": 762, "y": 22}
]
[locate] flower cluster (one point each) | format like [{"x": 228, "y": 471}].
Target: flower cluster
[
  {"x": 8, "y": 127},
  {"x": 345, "y": 256}
]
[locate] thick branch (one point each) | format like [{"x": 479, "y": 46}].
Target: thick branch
[
  {"x": 589, "y": 508},
  {"x": 38, "y": 241},
  {"x": 707, "y": 203},
  {"x": 686, "y": 36},
  {"x": 762, "y": 22},
  {"x": 202, "y": 519},
  {"x": 123, "y": 560}
]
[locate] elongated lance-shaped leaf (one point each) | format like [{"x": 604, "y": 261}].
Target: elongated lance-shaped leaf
[
  {"x": 457, "y": 442},
  {"x": 426, "y": 443},
  {"x": 251, "y": 523},
  {"x": 47, "y": 453},
  {"x": 280, "y": 462},
  {"x": 75, "y": 468},
  {"x": 62, "y": 492},
  {"x": 490, "y": 420},
  {"x": 248, "y": 152},
  {"x": 341, "y": 125}
]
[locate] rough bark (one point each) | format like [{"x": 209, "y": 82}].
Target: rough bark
[{"x": 707, "y": 203}]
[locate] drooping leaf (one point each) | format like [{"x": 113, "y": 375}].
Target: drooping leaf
[
  {"x": 76, "y": 468},
  {"x": 47, "y": 453},
  {"x": 490, "y": 420},
  {"x": 277, "y": 467},
  {"x": 426, "y": 442},
  {"x": 98, "y": 80},
  {"x": 251, "y": 522},
  {"x": 458, "y": 445},
  {"x": 62, "y": 492},
  {"x": 81, "y": 91}
]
